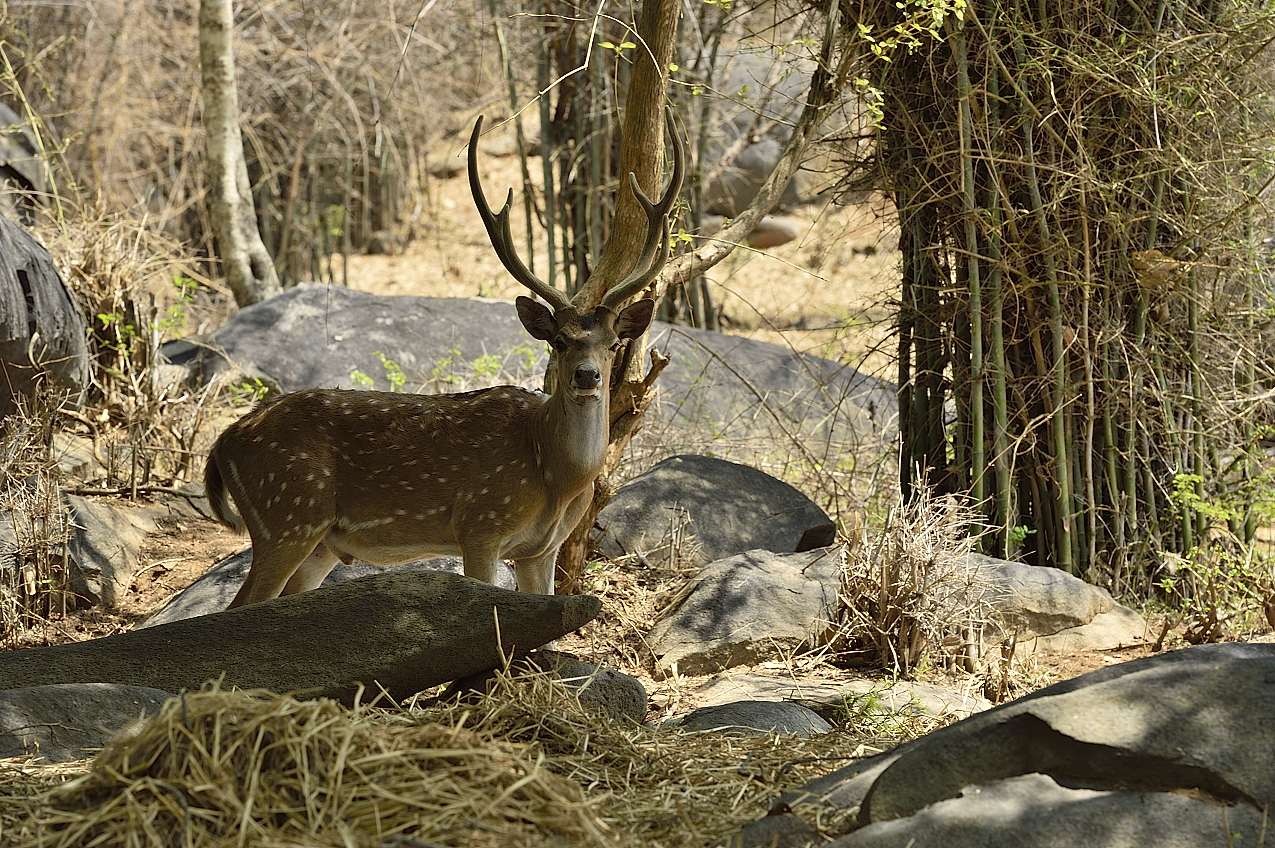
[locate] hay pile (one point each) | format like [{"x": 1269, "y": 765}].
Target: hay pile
[{"x": 525, "y": 765}]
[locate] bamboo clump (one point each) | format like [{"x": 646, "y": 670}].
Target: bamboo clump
[{"x": 1081, "y": 343}]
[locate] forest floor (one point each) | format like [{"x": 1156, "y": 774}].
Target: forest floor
[{"x": 827, "y": 293}]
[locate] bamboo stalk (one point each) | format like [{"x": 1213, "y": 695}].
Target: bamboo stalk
[
  {"x": 546, "y": 161},
  {"x": 977, "y": 461},
  {"x": 996, "y": 308},
  {"x": 1058, "y": 401}
]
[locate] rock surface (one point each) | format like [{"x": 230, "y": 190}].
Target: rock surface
[
  {"x": 42, "y": 333},
  {"x": 745, "y": 608},
  {"x": 729, "y": 508},
  {"x": 320, "y": 336},
  {"x": 1033, "y": 811},
  {"x": 106, "y": 547},
  {"x": 215, "y": 588},
  {"x": 1040, "y": 601},
  {"x": 614, "y": 693},
  {"x": 401, "y": 631},
  {"x": 68, "y": 721},
  {"x": 750, "y": 717},
  {"x": 1119, "y": 627},
  {"x": 1194, "y": 724},
  {"x": 854, "y": 694}
]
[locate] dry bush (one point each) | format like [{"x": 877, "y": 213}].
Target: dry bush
[
  {"x": 338, "y": 100},
  {"x": 523, "y": 765},
  {"x": 137, "y": 289},
  {"x": 33, "y": 524},
  {"x": 908, "y": 594}
]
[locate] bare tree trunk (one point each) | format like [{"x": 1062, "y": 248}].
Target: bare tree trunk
[
  {"x": 249, "y": 270},
  {"x": 642, "y": 152}
]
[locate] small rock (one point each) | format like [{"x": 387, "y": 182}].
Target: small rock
[
  {"x": 746, "y": 608},
  {"x": 614, "y": 693},
  {"x": 729, "y": 508},
  {"x": 750, "y": 717},
  {"x": 106, "y": 548},
  {"x": 74, "y": 455},
  {"x": 68, "y": 721}
]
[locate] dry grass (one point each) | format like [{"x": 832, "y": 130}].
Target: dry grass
[
  {"x": 525, "y": 765},
  {"x": 907, "y": 595},
  {"x": 33, "y": 578}
]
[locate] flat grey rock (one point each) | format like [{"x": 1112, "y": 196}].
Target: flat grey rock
[
  {"x": 70, "y": 721},
  {"x": 215, "y": 588},
  {"x": 855, "y": 694},
  {"x": 401, "y": 631},
  {"x": 728, "y": 507},
  {"x": 1195, "y": 722},
  {"x": 1119, "y": 627},
  {"x": 1034, "y": 811},
  {"x": 745, "y": 608},
  {"x": 752, "y": 717}
]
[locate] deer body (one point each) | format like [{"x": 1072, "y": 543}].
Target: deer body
[{"x": 322, "y": 476}]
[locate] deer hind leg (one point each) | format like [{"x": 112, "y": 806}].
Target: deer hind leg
[
  {"x": 311, "y": 573},
  {"x": 273, "y": 565},
  {"x": 535, "y": 575}
]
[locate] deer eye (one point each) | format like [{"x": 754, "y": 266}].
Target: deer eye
[{"x": 558, "y": 344}]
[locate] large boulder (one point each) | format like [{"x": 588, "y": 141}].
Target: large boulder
[
  {"x": 213, "y": 590},
  {"x": 1034, "y": 811},
  {"x": 42, "y": 333},
  {"x": 745, "y": 608},
  {"x": 106, "y": 548},
  {"x": 1038, "y": 601},
  {"x": 70, "y": 721},
  {"x": 765, "y": 93},
  {"x": 717, "y": 390},
  {"x": 1191, "y": 724},
  {"x": 401, "y": 632},
  {"x": 727, "y": 507}
]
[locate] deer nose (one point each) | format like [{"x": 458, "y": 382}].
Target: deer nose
[{"x": 587, "y": 377}]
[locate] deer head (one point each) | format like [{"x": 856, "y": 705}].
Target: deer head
[{"x": 585, "y": 339}]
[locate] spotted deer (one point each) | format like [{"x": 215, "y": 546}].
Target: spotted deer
[{"x": 496, "y": 474}]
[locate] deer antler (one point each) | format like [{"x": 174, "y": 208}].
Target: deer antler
[
  {"x": 655, "y": 250},
  {"x": 498, "y": 231}
]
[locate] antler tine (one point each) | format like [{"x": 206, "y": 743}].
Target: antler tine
[
  {"x": 655, "y": 249},
  {"x": 498, "y": 231}
]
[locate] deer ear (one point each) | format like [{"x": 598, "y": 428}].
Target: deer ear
[
  {"x": 536, "y": 318},
  {"x": 634, "y": 319}
]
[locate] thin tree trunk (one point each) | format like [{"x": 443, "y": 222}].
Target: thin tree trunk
[{"x": 249, "y": 270}]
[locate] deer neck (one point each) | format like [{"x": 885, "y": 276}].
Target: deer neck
[{"x": 572, "y": 440}]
